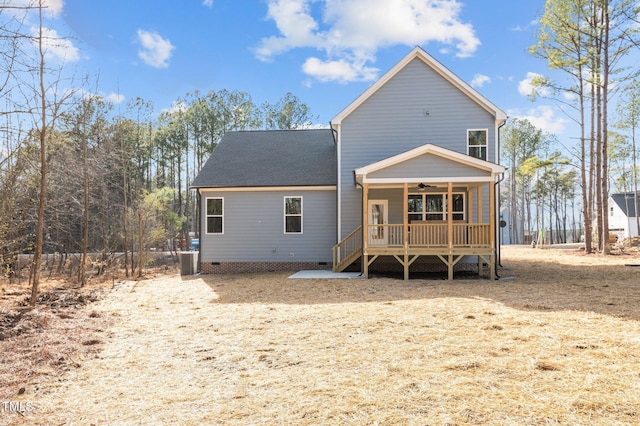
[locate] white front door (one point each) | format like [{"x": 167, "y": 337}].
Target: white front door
[{"x": 378, "y": 215}]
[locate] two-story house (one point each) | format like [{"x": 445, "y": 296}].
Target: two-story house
[{"x": 405, "y": 178}]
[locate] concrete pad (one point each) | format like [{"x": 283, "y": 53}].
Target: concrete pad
[{"x": 325, "y": 274}]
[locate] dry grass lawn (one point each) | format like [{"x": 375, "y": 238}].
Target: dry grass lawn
[{"x": 557, "y": 344}]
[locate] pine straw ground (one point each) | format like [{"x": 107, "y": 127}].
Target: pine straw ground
[{"x": 557, "y": 344}]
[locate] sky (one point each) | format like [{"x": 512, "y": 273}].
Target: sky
[{"x": 325, "y": 52}]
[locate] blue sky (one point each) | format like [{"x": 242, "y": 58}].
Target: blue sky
[{"x": 326, "y": 52}]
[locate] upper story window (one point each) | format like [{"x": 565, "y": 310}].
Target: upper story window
[
  {"x": 215, "y": 215},
  {"x": 477, "y": 143},
  {"x": 434, "y": 206},
  {"x": 293, "y": 215}
]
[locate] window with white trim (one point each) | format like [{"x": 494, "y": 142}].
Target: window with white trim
[
  {"x": 215, "y": 215},
  {"x": 477, "y": 143},
  {"x": 293, "y": 215},
  {"x": 433, "y": 206}
]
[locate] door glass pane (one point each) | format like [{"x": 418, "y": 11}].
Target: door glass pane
[
  {"x": 377, "y": 213},
  {"x": 377, "y": 217}
]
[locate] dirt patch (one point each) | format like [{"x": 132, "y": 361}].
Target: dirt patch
[
  {"x": 45, "y": 341},
  {"x": 556, "y": 343}
]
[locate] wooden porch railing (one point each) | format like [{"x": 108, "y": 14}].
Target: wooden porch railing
[
  {"x": 347, "y": 250},
  {"x": 421, "y": 236},
  {"x": 429, "y": 235}
]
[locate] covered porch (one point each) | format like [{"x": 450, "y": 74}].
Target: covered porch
[{"x": 411, "y": 210}]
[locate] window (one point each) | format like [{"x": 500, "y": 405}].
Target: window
[
  {"x": 293, "y": 215},
  {"x": 477, "y": 143},
  {"x": 434, "y": 206},
  {"x": 215, "y": 215}
]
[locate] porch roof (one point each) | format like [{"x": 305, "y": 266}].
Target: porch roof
[{"x": 404, "y": 167}]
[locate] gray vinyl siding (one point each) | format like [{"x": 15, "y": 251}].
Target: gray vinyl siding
[
  {"x": 254, "y": 228},
  {"x": 394, "y": 120},
  {"x": 429, "y": 166}
]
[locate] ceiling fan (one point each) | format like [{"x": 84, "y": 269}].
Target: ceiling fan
[{"x": 423, "y": 186}]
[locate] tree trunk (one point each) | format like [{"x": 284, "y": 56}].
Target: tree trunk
[
  {"x": 37, "y": 255},
  {"x": 605, "y": 140},
  {"x": 140, "y": 239},
  {"x": 82, "y": 273}
]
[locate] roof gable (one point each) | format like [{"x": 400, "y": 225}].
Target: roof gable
[
  {"x": 479, "y": 170},
  {"x": 419, "y": 53},
  {"x": 626, "y": 203},
  {"x": 429, "y": 165},
  {"x": 435, "y": 150},
  {"x": 270, "y": 158}
]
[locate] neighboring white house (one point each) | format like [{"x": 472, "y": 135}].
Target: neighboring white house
[{"x": 623, "y": 215}]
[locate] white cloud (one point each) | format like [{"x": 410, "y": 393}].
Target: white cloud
[
  {"x": 208, "y": 3},
  {"x": 545, "y": 118},
  {"x": 351, "y": 31},
  {"x": 55, "y": 47},
  {"x": 156, "y": 51},
  {"x": 177, "y": 106},
  {"x": 114, "y": 98},
  {"x": 526, "y": 87},
  {"x": 340, "y": 70},
  {"x": 50, "y": 7},
  {"x": 480, "y": 80},
  {"x": 54, "y": 7}
]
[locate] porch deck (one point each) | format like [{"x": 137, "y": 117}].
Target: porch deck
[{"x": 450, "y": 242}]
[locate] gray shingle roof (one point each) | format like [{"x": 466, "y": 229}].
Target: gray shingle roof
[
  {"x": 626, "y": 203},
  {"x": 271, "y": 158}
]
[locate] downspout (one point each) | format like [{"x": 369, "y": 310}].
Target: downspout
[
  {"x": 498, "y": 228},
  {"x": 497, "y": 191},
  {"x": 333, "y": 133},
  {"x": 199, "y": 227},
  {"x": 335, "y": 142}
]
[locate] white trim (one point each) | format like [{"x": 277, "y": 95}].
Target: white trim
[
  {"x": 470, "y": 179},
  {"x": 285, "y": 214},
  {"x": 268, "y": 188},
  {"x": 418, "y": 52},
  {"x": 206, "y": 216}
]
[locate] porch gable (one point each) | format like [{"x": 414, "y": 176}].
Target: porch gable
[{"x": 428, "y": 163}]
